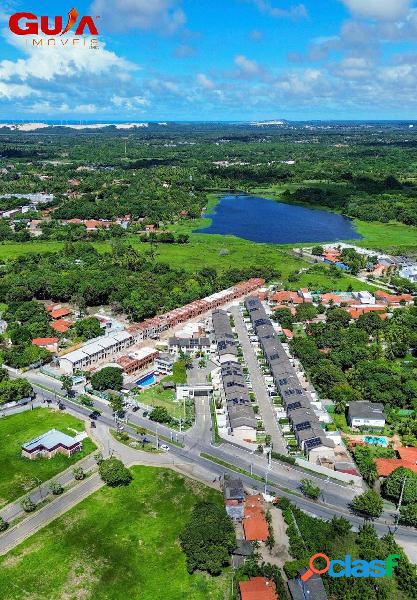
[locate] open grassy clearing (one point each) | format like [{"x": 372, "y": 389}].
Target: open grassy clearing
[
  {"x": 119, "y": 543},
  {"x": 157, "y": 396},
  {"x": 19, "y": 475}
]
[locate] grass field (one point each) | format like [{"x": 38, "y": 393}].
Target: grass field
[
  {"x": 224, "y": 252},
  {"x": 157, "y": 396},
  {"x": 387, "y": 236},
  {"x": 19, "y": 475},
  {"x": 120, "y": 543}
]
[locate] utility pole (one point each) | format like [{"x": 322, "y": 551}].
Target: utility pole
[
  {"x": 266, "y": 480},
  {"x": 400, "y": 501}
]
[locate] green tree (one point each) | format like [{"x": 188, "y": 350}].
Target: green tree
[
  {"x": 369, "y": 503},
  {"x": 116, "y": 403},
  {"x": 309, "y": 489},
  {"x": 317, "y": 251},
  {"x": 109, "y": 378},
  {"x": 114, "y": 473},
  {"x": 28, "y": 505},
  {"x": 56, "y": 488},
  {"x": 66, "y": 384},
  {"x": 306, "y": 312},
  {"x": 88, "y": 328},
  {"x": 208, "y": 538},
  {"x": 3, "y": 524},
  {"x": 400, "y": 479},
  {"x": 160, "y": 415},
  {"x": 408, "y": 514}
]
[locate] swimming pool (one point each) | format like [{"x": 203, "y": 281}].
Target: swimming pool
[
  {"x": 374, "y": 440},
  {"x": 146, "y": 381}
]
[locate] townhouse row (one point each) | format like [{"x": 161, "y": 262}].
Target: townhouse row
[
  {"x": 306, "y": 425},
  {"x": 235, "y": 394}
]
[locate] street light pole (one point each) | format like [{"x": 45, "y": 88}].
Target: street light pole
[
  {"x": 400, "y": 501},
  {"x": 266, "y": 480}
]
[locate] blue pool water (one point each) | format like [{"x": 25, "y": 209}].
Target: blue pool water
[
  {"x": 146, "y": 381},
  {"x": 262, "y": 220},
  {"x": 374, "y": 440}
]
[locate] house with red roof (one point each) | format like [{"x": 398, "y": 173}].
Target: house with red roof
[
  {"x": 61, "y": 326},
  {"x": 258, "y": 588},
  {"x": 255, "y": 525},
  {"x": 58, "y": 313},
  {"x": 49, "y": 343},
  {"x": 407, "y": 459}
]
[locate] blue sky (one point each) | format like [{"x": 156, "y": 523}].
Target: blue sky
[{"x": 217, "y": 60}]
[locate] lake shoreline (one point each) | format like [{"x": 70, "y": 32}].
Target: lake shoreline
[{"x": 262, "y": 219}]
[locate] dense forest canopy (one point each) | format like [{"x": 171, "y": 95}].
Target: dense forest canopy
[{"x": 161, "y": 174}]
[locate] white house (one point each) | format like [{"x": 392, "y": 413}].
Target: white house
[{"x": 366, "y": 414}]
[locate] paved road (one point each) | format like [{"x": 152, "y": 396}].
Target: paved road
[
  {"x": 35, "y": 521},
  {"x": 335, "y": 497},
  {"x": 14, "y": 509},
  {"x": 259, "y": 387}
]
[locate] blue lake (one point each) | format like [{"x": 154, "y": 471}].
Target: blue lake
[{"x": 262, "y": 220}]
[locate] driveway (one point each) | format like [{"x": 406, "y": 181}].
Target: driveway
[{"x": 258, "y": 384}]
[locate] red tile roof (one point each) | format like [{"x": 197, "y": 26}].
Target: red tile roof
[
  {"x": 288, "y": 333},
  {"x": 385, "y": 466},
  {"x": 326, "y": 298},
  {"x": 60, "y": 312},
  {"x": 255, "y": 525},
  {"x": 409, "y": 454},
  {"x": 45, "y": 341},
  {"x": 61, "y": 326},
  {"x": 258, "y": 588}
]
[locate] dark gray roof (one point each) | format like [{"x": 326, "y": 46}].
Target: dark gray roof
[
  {"x": 199, "y": 342},
  {"x": 243, "y": 548},
  {"x": 165, "y": 356},
  {"x": 313, "y": 589},
  {"x": 362, "y": 409},
  {"x": 233, "y": 489}
]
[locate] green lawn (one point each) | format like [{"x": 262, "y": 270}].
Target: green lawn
[
  {"x": 157, "y": 396},
  {"x": 18, "y": 475},
  {"x": 120, "y": 543},
  {"x": 387, "y": 236}
]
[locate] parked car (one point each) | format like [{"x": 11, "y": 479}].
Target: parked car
[
  {"x": 92, "y": 424},
  {"x": 135, "y": 409}
]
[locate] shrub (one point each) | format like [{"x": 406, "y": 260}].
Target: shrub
[
  {"x": 56, "y": 488},
  {"x": 78, "y": 473},
  {"x": 3, "y": 524},
  {"x": 28, "y": 505}
]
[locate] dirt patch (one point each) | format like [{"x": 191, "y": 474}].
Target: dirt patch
[
  {"x": 69, "y": 521},
  {"x": 15, "y": 559},
  {"x": 279, "y": 554},
  {"x": 81, "y": 578}
]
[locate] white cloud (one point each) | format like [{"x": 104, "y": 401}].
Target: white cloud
[
  {"x": 247, "y": 66},
  {"x": 384, "y": 10},
  {"x": 295, "y": 12},
  {"x": 163, "y": 16},
  {"x": 205, "y": 82},
  {"x": 49, "y": 63},
  {"x": 131, "y": 103},
  {"x": 9, "y": 91}
]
